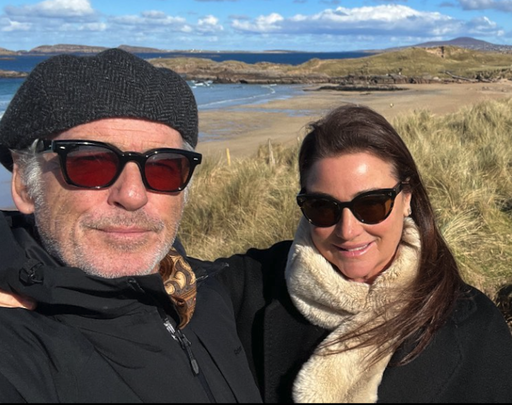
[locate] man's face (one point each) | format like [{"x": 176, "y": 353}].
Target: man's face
[{"x": 121, "y": 230}]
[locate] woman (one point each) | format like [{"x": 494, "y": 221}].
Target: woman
[{"x": 366, "y": 304}]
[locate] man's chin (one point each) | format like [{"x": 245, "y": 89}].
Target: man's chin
[
  {"x": 116, "y": 273},
  {"x": 123, "y": 266}
]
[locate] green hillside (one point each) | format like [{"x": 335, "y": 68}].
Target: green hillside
[{"x": 444, "y": 62}]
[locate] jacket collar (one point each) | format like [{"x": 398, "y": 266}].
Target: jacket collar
[{"x": 29, "y": 270}]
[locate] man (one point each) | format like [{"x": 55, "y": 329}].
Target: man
[{"x": 101, "y": 151}]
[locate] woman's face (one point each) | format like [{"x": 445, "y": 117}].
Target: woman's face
[{"x": 359, "y": 251}]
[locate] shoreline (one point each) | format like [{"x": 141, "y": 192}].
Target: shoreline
[{"x": 245, "y": 128}]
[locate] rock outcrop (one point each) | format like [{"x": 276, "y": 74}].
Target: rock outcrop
[{"x": 11, "y": 74}]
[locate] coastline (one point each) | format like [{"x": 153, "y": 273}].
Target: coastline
[{"x": 244, "y": 128}]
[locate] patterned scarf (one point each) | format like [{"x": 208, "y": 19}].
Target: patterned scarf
[
  {"x": 180, "y": 283},
  {"x": 329, "y": 300}
]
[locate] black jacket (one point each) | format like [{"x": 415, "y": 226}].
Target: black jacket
[
  {"x": 469, "y": 360},
  {"x": 111, "y": 340}
]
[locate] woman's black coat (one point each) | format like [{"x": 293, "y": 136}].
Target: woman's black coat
[{"x": 469, "y": 360}]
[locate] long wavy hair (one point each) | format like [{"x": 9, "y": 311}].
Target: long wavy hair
[{"x": 432, "y": 296}]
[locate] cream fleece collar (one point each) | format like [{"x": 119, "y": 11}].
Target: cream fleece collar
[{"x": 328, "y": 300}]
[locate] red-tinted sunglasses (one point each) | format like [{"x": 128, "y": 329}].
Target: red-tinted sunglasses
[
  {"x": 95, "y": 165},
  {"x": 370, "y": 208}
]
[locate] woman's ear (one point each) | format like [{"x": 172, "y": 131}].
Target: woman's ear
[
  {"x": 407, "y": 204},
  {"x": 19, "y": 192}
]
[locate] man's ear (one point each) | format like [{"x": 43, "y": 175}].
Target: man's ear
[{"x": 19, "y": 192}]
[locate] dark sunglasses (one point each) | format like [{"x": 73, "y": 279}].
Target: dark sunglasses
[
  {"x": 369, "y": 208},
  {"x": 95, "y": 165}
]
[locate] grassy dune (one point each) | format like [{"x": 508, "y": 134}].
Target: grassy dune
[
  {"x": 465, "y": 159},
  {"x": 435, "y": 61}
]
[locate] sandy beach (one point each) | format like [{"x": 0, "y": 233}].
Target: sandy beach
[{"x": 244, "y": 128}]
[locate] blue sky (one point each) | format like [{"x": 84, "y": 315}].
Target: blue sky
[{"x": 251, "y": 25}]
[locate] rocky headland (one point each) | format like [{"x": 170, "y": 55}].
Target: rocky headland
[
  {"x": 443, "y": 64},
  {"x": 386, "y": 70}
]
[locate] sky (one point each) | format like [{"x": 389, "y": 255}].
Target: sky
[{"x": 251, "y": 25}]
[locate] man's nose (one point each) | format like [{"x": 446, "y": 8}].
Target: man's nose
[{"x": 129, "y": 190}]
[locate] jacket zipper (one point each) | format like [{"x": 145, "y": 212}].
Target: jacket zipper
[{"x": 185, "y": 344}]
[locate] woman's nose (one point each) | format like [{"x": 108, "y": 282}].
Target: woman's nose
[{"x": 348, "y": 226}]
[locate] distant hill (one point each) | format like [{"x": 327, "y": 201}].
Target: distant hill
[
  {"x": 4, "y": 52},
  {"x": 65, "y": 48},
  {"x": 141, "y": 49},
  {"x": 462, "y": 42},
  {"x": 70, "y": 48}
]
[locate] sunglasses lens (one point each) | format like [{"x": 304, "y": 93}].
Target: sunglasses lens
[
  {"x": 373, "y": 208},
  {"x": 320, "y": 212},
  {"x": 91, "y": 166},
  {"x": 167, "y": 171}
]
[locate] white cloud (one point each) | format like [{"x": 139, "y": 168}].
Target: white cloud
[
  {"x": 388, "y": 20},
  {"x": 483, "y": 26},
  {"x": 94, "y": 27},
  {"x": 369, "y": 27},
  {"x": 53, "y": 9},
  {"x": 10, "y": 26},
  {"x": 65, "y": 8},
  {"x": 209, "y": 24},
  {"x": 262, "y": 24},
  {"x": 149, "y": 19}
]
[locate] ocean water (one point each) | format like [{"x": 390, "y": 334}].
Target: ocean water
[
  {"x": 208, "y": 96},
  {"x": 213, "y": 96}
]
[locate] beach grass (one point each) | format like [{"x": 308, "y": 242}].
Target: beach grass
[{"x": 465, "y": 159}]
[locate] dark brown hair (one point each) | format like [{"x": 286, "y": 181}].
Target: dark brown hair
[{"x": 426, "y": 307}]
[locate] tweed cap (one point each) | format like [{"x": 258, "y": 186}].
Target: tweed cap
[{"x": 66, "y": 90}]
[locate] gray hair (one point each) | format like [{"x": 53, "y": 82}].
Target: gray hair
[{"x": 30, "y": 170}]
